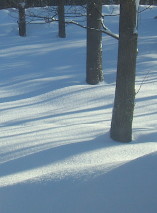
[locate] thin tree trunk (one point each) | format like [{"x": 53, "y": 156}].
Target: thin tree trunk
[
  {"x": 94, "y": 73},
  {"x": 22, "y": 21},
  {"x": 61, "y": 17},
  {"x": 122, "y": 117}
]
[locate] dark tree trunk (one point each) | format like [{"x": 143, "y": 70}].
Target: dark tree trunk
[
  {"x": 22, "y": 20},
  {"x": 122, "y": 117},
  {"x": 61, "y": 17},
  {"x": 94, "y": 73}
]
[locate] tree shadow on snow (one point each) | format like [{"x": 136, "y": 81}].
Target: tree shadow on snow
[
  {"x": 127, "y": 188},
  {"x": 38, "y": 156}
]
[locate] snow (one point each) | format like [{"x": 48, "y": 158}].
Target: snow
[
  {"x": 137, "y": 3},
  {"x": 55, "y": 151},
  {"x": 137, "y": 14},
  {"x": 23, "y": 4}
]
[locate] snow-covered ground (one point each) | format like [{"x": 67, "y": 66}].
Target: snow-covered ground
[{"x": 55, "y": 151}]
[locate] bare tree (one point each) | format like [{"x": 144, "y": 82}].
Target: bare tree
[
  {"x": 61, "y": 18},
  {"x": 22, "y": 20},
  {"x": 122, "y": 117},
  {"x": 94, "y": 73}
]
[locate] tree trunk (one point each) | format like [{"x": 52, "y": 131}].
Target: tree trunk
[
  {"x": 22, "y": 21},
  {"x": 122, "y": 117},
  {"x": 94, "y": 73},
  {"x": 61, "y": 17}
]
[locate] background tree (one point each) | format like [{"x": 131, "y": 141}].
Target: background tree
[
  {"x": 122, "y": 117},
  {"x": 61, "y": 19},
  {"x": 22, "y": 20},
  {"x": 94, "y": 73}
]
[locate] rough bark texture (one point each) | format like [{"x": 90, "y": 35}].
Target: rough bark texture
[
  {"x": 61, "y": 18},
  {"x": 94, "y": 72},
  {"x": 22, "y": 21},
  {"x": 122, "y": 117}
]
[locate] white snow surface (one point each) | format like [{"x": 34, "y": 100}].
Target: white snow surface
[
  {"x": 137, "y": 3},
  {"x": 55, "y": 151}
]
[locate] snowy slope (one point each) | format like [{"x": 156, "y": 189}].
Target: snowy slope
[{"x": 55, "y": 151}]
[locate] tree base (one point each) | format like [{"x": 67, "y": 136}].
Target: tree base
[
  {"x": 91, "y": 82},
  {"x": 120, "y": 136}
]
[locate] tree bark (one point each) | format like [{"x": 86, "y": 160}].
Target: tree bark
[
  {"x": 61, "y": 17},
  {"x": 122, "y": 116},
  {"x": 94, "y": 73},
  {"x": 22, "y": 21}
]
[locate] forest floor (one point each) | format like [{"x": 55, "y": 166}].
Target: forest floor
[{"x": 55, "y": 151}]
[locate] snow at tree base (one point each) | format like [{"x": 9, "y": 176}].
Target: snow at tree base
[{"x": 55, "y": 151}]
